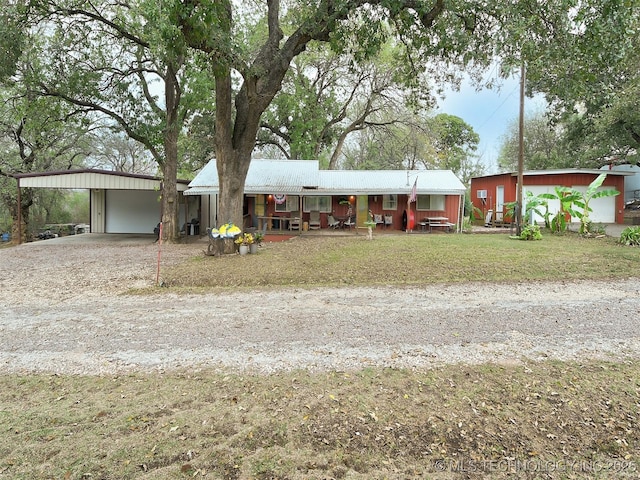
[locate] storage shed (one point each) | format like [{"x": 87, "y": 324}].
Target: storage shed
[{"x": 492, "y": 192}]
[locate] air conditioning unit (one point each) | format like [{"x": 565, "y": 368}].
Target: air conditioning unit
[{"x": 482, "y": 194}]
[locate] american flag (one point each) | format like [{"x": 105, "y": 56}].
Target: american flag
[{"x": 413, "y": 197}]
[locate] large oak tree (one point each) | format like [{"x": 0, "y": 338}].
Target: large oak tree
[{"x": 453, "y": 34}]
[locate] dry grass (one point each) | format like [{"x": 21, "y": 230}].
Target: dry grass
[
  {"x": 409, "y": 259},
  {"x": 536, "y": 420},
  {"x": 545, "y": 420}
]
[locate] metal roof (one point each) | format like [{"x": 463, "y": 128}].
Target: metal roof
[
  {"x": 379, "y": 182},
  {"x": 264, "y": 176},
  {"x": 303, "y": 177},
  {"x": 563, "y": 171},
  {"x": 92, "y": 178}
]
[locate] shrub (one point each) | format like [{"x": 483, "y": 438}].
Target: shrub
[
  {"x": 531, "y": 232},
  {"x": 467, "y": 225},
  {"x": 630, "y": 236}
]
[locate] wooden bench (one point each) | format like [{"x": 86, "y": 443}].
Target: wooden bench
[{"x": 448, "y": 226}]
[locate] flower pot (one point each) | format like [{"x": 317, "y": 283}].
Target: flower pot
[
  {"x": 244, "y": 249},
  {"x": 253, "y": 248}
]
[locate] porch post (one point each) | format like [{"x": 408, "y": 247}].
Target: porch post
[{"x": 19, "y": 206}]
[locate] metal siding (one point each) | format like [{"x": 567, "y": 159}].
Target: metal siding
[
  {"x": 551, "y": 179},
  {"x": 97, "y": 204},
  {"x": 490, "y": 184},
  {"x": 90, "y": 180}
]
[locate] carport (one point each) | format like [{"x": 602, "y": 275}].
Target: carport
[{"x": 119, "y": 202}]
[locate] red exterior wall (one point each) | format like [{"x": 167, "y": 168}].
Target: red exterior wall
[
  {"x": 452, "y": 208},
  {"x": 509, "y": 181},
  {"x": 490, "y": 184}
]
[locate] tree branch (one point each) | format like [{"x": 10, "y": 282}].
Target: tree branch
[{"x": 47, "y": 92}]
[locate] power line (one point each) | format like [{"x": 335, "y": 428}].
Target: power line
[{"x": 498, "y": 108}]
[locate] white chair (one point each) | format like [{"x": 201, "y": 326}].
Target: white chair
[
  {"x": 388, "y": 221},
  {"x": 314, "y": 220},
  {"x": 350, "y": 222},
  {"x": 294, "y": 221},
  {"x": 378, "y": 219},
  {"x": 333, "y": 223}
]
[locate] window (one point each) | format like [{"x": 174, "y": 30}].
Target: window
[
  {"x": 319, "y": 204},
  {"x": 290, "y": 205},
  {"x": 389, "y": 202},
  {"x": 430, "y": 202}
]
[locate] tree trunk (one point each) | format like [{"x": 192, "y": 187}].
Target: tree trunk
[
  {"x": 170, "y": 196},
  {"x": 26, "y": 200},
  {"x": 233, "y": 153}
]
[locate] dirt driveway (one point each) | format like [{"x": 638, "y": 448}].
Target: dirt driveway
[{"x": 63, "y": 309}]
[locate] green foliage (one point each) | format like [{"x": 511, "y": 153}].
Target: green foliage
[
  {"x": 630, "y": 236},
  {"x": 543, "y": 145},
  {"x": 467, "y": 225},
  {"x": 531, "y": 232},
  {"x": 558, "y": 223},
  {"x": 532, "y": 205},
  {"x": 454, "y": 143},
  {"x": 12, "y": 39},
  {"x": 592, "y": 79},
  {"x": 574, "y": 203},
  {"x": 583, "y": 199}
]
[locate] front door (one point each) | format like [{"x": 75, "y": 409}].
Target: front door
[{"x": 500, "y": 202}]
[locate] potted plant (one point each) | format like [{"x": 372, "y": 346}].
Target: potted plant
[
  {"x": 258, "y": 237},
  {"x": 244, "y": 241}
]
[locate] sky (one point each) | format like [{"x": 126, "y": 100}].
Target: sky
[{"x": 489, "y": 112}]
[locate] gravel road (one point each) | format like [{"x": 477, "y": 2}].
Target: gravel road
[{"x": 63, "y": 310}]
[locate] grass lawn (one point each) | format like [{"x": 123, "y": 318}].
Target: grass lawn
[
  {"x": 535, "y": 420},
  {"x": 410, "y": 259}
]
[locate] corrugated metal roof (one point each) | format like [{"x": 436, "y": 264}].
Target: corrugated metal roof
[
  {"x": 264, "y": 176},
  {"x": 379, "y": 182},
  {"x": 303, "y": 177},
  {"x": 562, "y": 171},
  {"x": 92, "y": 178}
]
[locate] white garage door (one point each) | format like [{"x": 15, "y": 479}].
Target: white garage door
[
  {"x": 603, "y": 209},
  {"x": 554, "y": 205},
  {"x": 131, "y": 211}
]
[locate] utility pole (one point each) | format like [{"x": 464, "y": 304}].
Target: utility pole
[{"x": 519, "y": 205}]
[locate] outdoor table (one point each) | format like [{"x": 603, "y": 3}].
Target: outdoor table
[{"x": 438, "y": 222}]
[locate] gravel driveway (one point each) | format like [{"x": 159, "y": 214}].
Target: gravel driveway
[{"x": 63, "y": 310}]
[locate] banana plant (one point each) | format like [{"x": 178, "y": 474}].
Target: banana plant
[
  {"x": 583, "y": 199},
  {"x": 567, "y": 196},
  {"x": 575, "y": 203},
  {"x": 532, "y": 205}
]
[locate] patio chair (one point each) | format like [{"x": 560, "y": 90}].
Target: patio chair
[
  {"x": 294, "y": 221},
  {"x": 314, "y": 220},
  {"x": 333, "y": 223},
  {"x": 350, "y": 222},
  {"x": 388, "y": 221},
  {"x": 378, "y": 219}
]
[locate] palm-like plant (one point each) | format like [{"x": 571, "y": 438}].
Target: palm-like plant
[
  {"x": 592, "y": 193},
  {"x": 573, "y": 203},
  {"x": 570, "y": 198}
]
